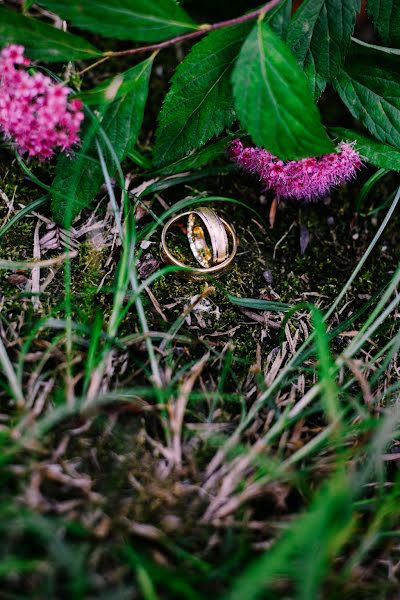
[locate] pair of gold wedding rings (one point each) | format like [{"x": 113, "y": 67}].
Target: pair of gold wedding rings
[{"x": 212, "y": 241}]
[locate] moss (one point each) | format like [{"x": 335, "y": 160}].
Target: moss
[
  {"x": 17, "y": 243},
  {"x": 86, "y": 276},
  {"x": 245, "y": 279},
  {"x": 338, "y": 240}
]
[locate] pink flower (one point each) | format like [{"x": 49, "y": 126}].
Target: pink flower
[
  {"x": 34, "y": 110},
  {"x": 306, "y": 179}
]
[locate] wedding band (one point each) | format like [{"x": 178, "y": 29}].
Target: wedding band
[
  {"x": 218, "y": 260},
  {"x": 218, "y": 236}
]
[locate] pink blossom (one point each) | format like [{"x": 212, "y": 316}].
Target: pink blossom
[
  {"x": 306, "y": 179},
  {"x": 34, "y": 110}
]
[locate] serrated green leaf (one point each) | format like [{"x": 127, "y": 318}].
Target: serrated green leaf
[
  {"x": 199, "y": 103},
  {"x": 42, "y": 41},
  {"x": 279, "y": 18},
  {"x": 136, "y": 20},
  {"x": 273, "y": 100},
  {"x": 78, "y": 180},
  {"x": 380, "y": 155},
  {"x": 369, "y": 86},
  {"x": 320, "y": 32},
  {"x": 316, "y": 82},
  {"x": 386, "y": 17}
]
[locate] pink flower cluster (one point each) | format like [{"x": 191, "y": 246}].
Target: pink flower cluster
[
  {"x": 34, "y": 110},
  {"x": 306, "y": 179}
]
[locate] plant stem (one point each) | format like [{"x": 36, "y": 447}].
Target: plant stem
[
  {"x": 93, "y": 65},
  {"x": 194, "y": 34}
]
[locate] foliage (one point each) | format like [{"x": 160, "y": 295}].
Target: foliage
[
  {"x": 244, "y": 71},
  {"x": 368, "y": 85},
  {"x": 319, "y": 35},
  {"x": 42, "y": 41},
  {"x": 199, "y": 104},
  {"x": 386, "y": 17},
  {"x": 135, "y": 20},
  {"x": 270, "y": 92}
]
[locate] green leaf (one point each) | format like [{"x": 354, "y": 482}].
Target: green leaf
[
  {"x": 319, "y": 34},
  {"x": 42, "y": 41},
  {"x": 22, "y": 213},
  {"x": 386, "y": 17},
  {"x": 78, "y": 180},
  {"x": 273, "y": 99},
  {"x": 316, "y": 82},
  {"x": 27, "y": 4},
  {"x": 279, "y": 18},
  {"x": 136, "y": 20},
  {"x": 197, "y": 159},
  {"x": 258, "y": 304},
  {"x": 107, "y": 91},
  {"x": 139, "y": 159},
  {"x": 378, "y": 154},
  {"x": 369, "y": 86},
  {"x": 199, "y": 103}
]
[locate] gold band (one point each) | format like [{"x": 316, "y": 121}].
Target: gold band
[
  {"x": 219, "y": 242},
  {"x": 217, "y": 233}
]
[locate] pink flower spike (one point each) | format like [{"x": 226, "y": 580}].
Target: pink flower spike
[
  {"x": 34, "y": 110},
  {"x": 306, "y": 179}
]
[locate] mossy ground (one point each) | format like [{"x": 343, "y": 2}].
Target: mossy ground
[{"x": 337, "y": 239}]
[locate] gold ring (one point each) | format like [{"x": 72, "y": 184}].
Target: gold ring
[
  {"x": 218, "y": 236},
  {"x": 215, "y": 262}
]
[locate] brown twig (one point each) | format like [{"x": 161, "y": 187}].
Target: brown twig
[{"x": 194, "y": 34}]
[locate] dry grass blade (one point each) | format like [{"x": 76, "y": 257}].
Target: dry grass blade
[
  {"x": 41, "y": 264},
  {"x": 177, "y": 410},
  {"x": 35, "y": 274},
  {"x": 11, "y": 377}
]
